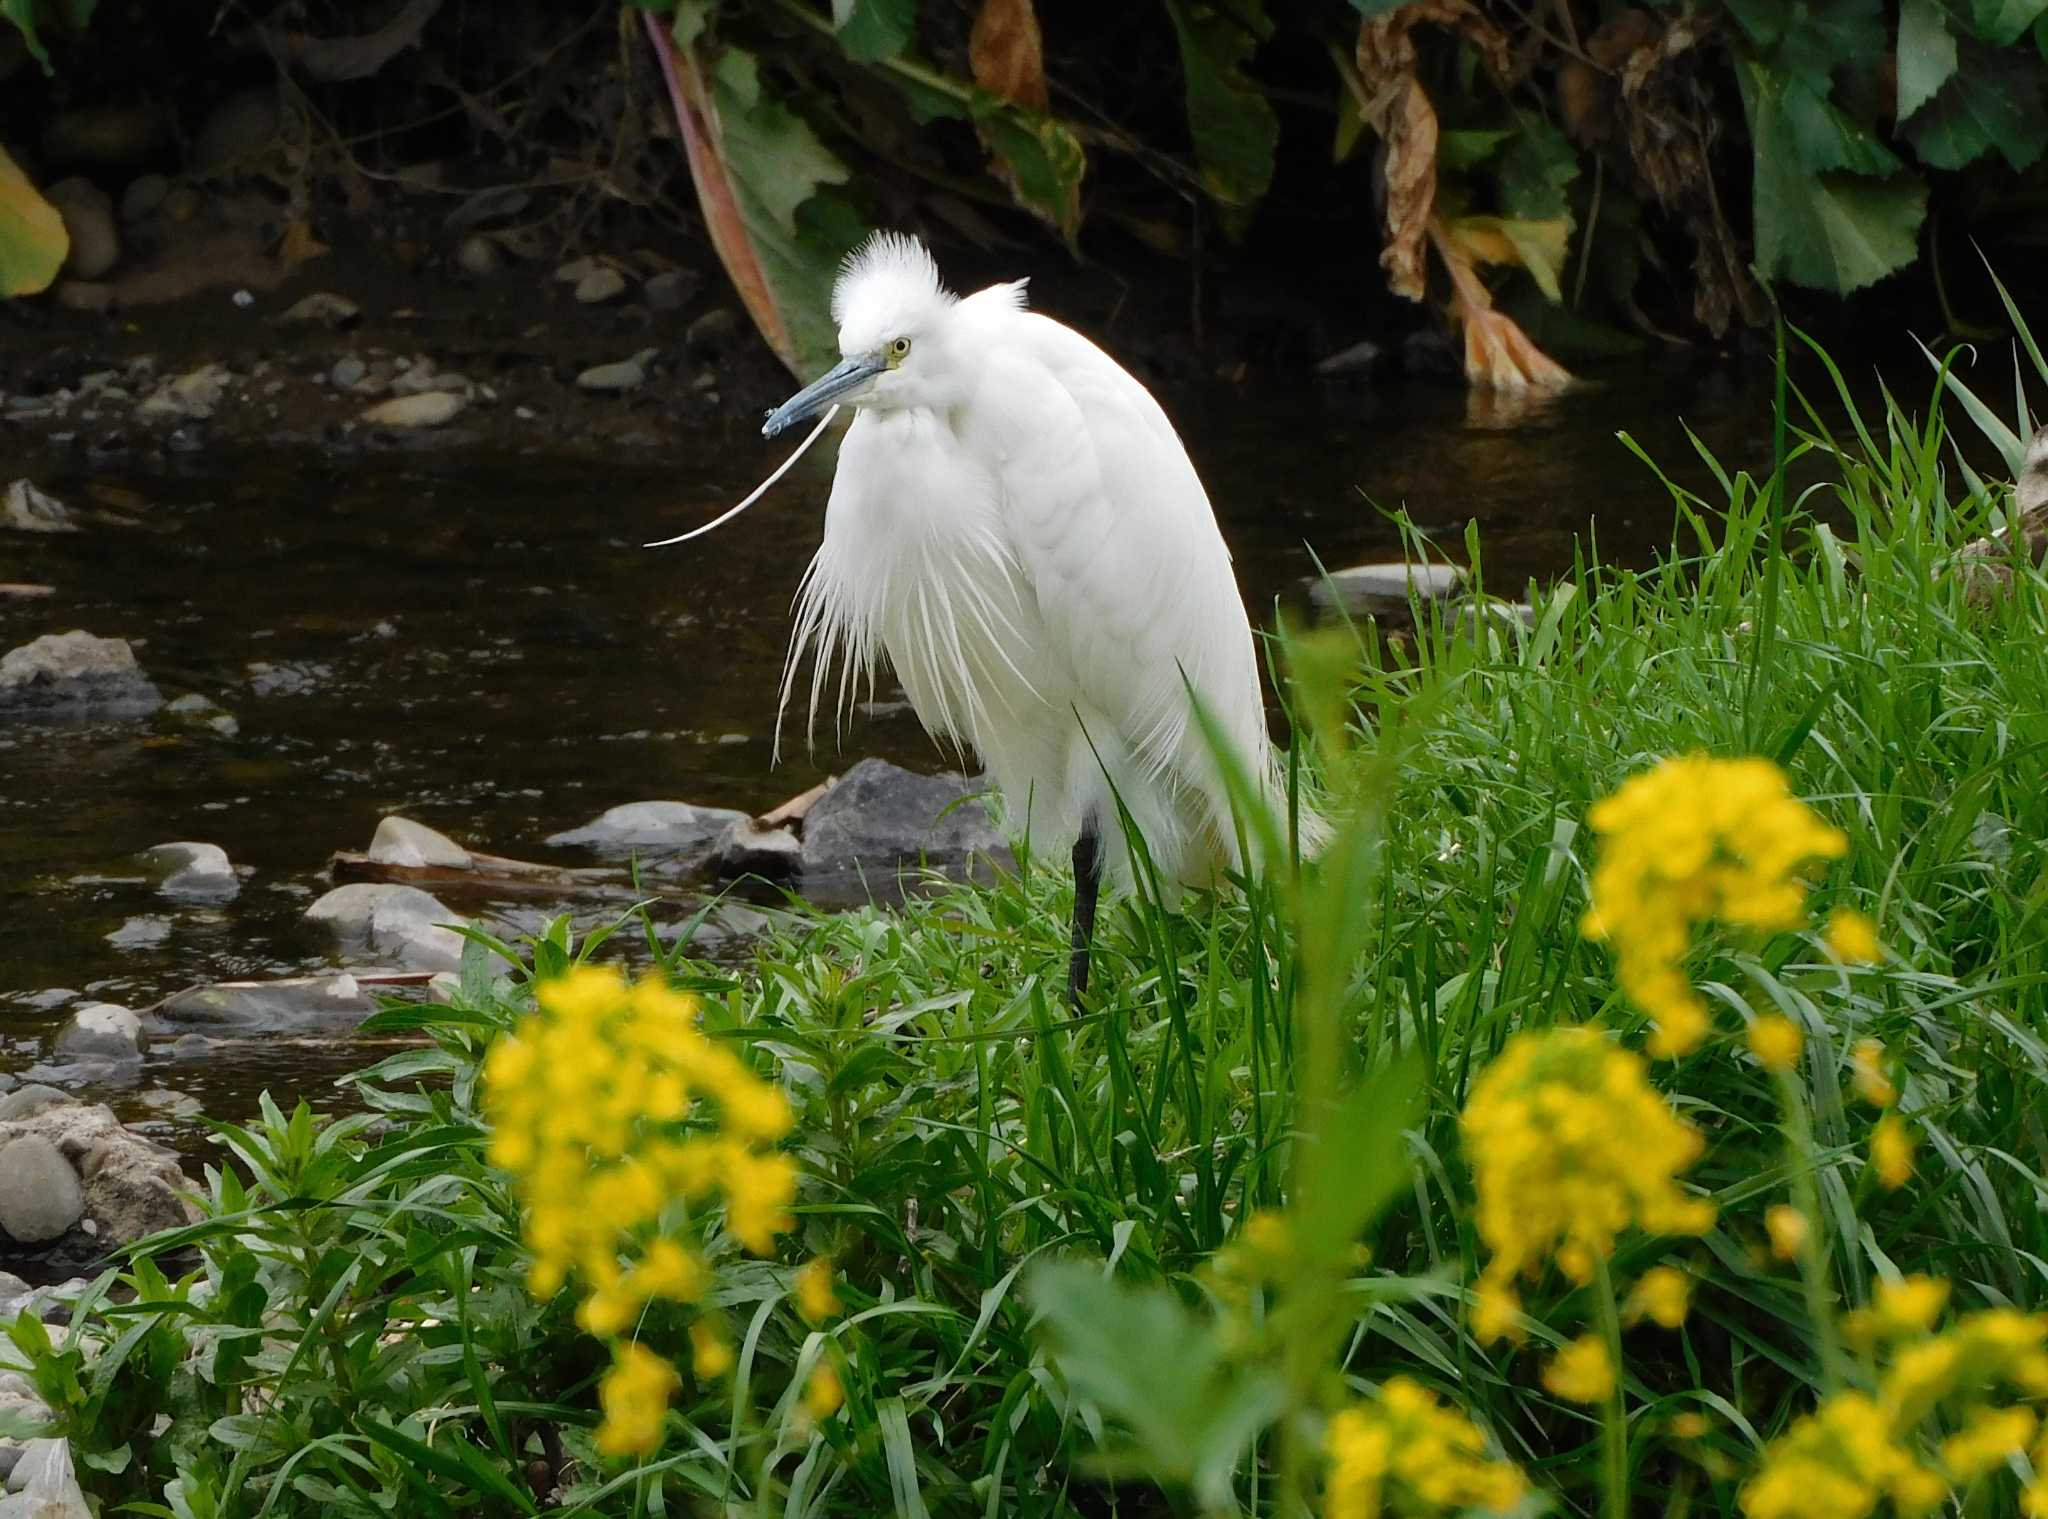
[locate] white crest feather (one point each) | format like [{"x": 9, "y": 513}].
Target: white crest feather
[{"x": 890, "y": 270}]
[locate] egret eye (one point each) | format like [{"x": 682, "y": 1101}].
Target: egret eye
[{"x": 899, "y": 350}]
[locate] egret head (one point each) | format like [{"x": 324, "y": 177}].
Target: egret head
[{"x": 891, "y": 310}]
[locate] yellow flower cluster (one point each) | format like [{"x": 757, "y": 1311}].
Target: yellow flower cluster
[
  {"x": 1857, "y": 1449},
  {"x": 1569, "y": 1145},
  {"x": 597, "y": 1105},
  {"x": 1406, "y": 1453},
  {"x": 1697, "y": 839},
  {"x": 1582, "y": 1372}
]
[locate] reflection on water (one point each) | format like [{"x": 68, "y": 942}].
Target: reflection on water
[{"x": 478, "y": 642}]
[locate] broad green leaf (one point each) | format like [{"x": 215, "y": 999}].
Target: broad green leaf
[
  {"x": 1825, "y": 136},
  {"x": 1358, "y": 1162},
  {"x": 1927, "y": 53},
  {"x": 33, "y": 242},
  {"x": 1811, "y": 40},
  {"x": 1832, "y": 231},
  {"x": 1994, "y": 101},
  {"x": 1233, "y": 125},
  {"x": 73, "y": 14},
  {"x": 872, "y": 30},
  {"x": 1043, "y": 159},
  {"x": 1148, "y": 1363},
  {"x": 758, "y": 175},
  {"x": 1468, "y": 149},
  {"x": 1535, "y": 171},
  {"x": 2004, "y": 22},
  {"x": 1537, "y": 246}
]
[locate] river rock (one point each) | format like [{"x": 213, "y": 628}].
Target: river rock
[
  {"x": 881, "y": 815},
  {"x": 40, "y": 1197},
  {"x": 101, "y": 1032},
  {"x": 653, "y": 828},
  {"x": 144, "y": 195},
  {"x": 322, "y": 308},
  {"x": 144, "y": 931},
  {"x": 400, "y": 923},
  {"x": 401, "y": 841},
  {"x": 348, "y": 372},
  {"x": 131, "y": 1185},
  {"x": 601, "y": 284},
  {"x": 88, "y": 297},
  {"x": 44, "y": 1484},
  {"x": 670, "y": 289},
  {"x": 88, "y": 214},
  {"x": 751, "y": 847},
  {"x": 714, "y": 329},
  {"x": 192, "y": 872},
  {"x": 74, "y": 677},
  {"x": 300, "y": 1004},
  {"x": 1385, "y": 588},
  {"x": 189, "y": 397},
  {"x": 477, "y": 257},
  {"x": 28, "y": 510},
  {"x": 625, "y": 374},
  {"x": 429, "y": 409},
  {"x": 29, "y": 1099}
]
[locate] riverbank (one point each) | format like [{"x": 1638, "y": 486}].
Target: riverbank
[{"x": 1261, "y": 1131}]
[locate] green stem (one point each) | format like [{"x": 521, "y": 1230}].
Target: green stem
[
  {"x": 1613, "y": 1414},
  {"x": 1813, "y": 1251},
  {"x": 1774, "y": 553}
]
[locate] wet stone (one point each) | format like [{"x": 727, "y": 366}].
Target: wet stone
[
  {"x": 881, "y": 815},
  {"x": 40, "y": 1198},
  {"x": 74, "y": 677},
  {"x": 193, "y": 872},
  {"x": 401, "y": 841},
  {"x": 1385, "y": 588}
]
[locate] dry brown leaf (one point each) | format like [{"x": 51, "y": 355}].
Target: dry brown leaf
[
  {"x": 1006, "y": 53},
  {"x": 1498, "y": 354},
  {"x": 1409, "y": 131},
  {"x": 1399, "y": 111}
]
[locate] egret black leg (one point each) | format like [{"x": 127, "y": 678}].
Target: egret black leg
[{"x": 1087, "y": 887}]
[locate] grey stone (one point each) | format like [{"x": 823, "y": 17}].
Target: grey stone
[
  {"x": 400, "y": 923},
  {"x": 601, "y": 284},
  {"x": 144, "y": 195},
  {"x": 102, "y": 1031},
  {"x": 653, "y": 828},
  {"x": 132, "y": 1186},
  {"x": 577, "y": 270},
  {"x": 322, "y": 308},
  {"x": 714, "y": 329},
  {"x": 752, "y": 848},
  {"x": 624, "y": 374},
  {"x": 290, "y": 679},
  {"x": 348, "y": 372},
  {"x": 880, "y": 815},
  {"x": 192, "y": 872},
  {"x": 27, "y": 1101},
  {"x": 197, "y": 711},
  {"x": 478, "y": 257},
  {"x": 431, "y": 409},
  {"x": 40, "y": 1197},
  {"x": 1383, "y": 588},
  {"x": 74, "y": 677},
  {"x": 88, "y": 214},
  {"x": 28, "y": 510},
  {"x": 146, "y": 931},
  {"x": 401, "y": 841},
  {"x": 191, "y": 397},
  {"x": 668, "y": 290}
]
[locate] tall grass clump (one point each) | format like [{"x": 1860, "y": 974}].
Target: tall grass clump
[{"x": 1640, "y": 1106}]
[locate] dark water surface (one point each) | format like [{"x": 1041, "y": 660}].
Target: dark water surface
[{"x": 476, "y": 640}]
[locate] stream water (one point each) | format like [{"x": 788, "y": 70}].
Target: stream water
[{"x": 476, "y": 640}]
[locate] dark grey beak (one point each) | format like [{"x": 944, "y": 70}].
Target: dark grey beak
[{"x": 836, "y": 383}]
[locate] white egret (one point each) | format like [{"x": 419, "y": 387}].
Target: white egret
[{"x": 1015, "y": 523}]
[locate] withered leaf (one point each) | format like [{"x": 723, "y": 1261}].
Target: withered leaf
[{"x": 1006, "y": 53}]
